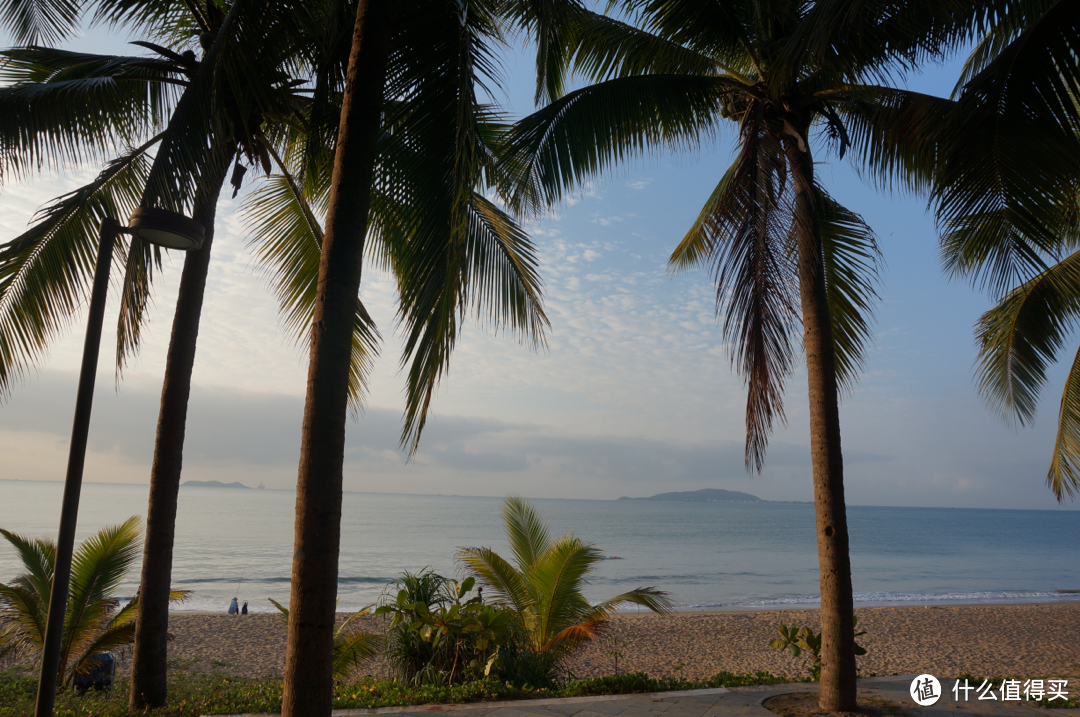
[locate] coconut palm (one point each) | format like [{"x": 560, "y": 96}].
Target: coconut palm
[
  {"x": 543, "y": 585},
  {"x": 412, "y": 132},
  {"x": 46, "y": 269},
  {"x": 1010, "y": 215},
  {"x": 194, "y": 112},
  {"x": 94, "y": 621},
  {"x": 790, "y": 77}
]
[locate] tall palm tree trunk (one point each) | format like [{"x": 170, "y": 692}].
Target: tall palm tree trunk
[
  {"x": 312, "y": 607},
  {"x": 148, "y": 663},
  {"x": 837, "y": 689}
]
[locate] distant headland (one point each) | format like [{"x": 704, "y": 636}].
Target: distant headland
[
  {"x": 708, "y": 495},
  {"x": 214, "y": 484}
]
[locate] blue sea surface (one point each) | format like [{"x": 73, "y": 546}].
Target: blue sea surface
[{"x": 233, "y": 541}]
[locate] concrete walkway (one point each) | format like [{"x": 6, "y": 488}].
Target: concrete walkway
[{"x": 723, "y": 702}]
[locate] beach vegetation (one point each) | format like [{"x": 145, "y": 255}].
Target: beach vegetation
[
  {"x": 192, "y": 694},
  {"x": 418, "y": 134},
  {"x": 795, "y": 640},
  {"x": 542, "y": 586},
  {"x": 352, "y": 646},
  {"x": 225, "y": 86},
  {"x": 95, "y": 622},
  {"x": 446, "y": 638}
]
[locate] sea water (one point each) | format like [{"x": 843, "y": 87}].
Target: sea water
[{"x": 232, "y": 541}]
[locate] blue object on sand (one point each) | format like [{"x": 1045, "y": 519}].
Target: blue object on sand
[{"x": 98, "y": 677}]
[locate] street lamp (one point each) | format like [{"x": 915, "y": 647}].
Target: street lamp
[{"x": 156, "y": 226}]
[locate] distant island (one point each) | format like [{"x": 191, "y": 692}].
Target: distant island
[
  {"x": 708, "y": 495},
  {"x": 214, "y": 484}
]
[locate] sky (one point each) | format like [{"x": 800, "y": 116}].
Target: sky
[{"x": 634, "y": 394}]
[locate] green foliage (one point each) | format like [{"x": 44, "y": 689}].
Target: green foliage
[
  {"x": 797, "y": 639},
  {"x": 94, "y": 622},
  {"x": 437, "y": 635},
  {"x": 543, "y": 589},
  {"x": 351, "y": 646},
  {"x": 193, "y": 694}
]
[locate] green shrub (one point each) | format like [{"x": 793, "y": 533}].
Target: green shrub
[
  {"x": 438, "y": 635},
  {"x": 198, "y": 694}
]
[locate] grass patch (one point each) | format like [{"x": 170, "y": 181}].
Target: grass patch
[{"x": 215, "y": 693}]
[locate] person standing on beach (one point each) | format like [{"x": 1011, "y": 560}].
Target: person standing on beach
[{"x": 234, "y": 607}]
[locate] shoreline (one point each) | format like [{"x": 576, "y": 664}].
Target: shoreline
[
  {"x": 1067, "y": 598},
  {"x": 1021, "y": 640}
]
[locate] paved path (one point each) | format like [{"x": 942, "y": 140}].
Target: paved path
[{"x": 733, "y": 702}]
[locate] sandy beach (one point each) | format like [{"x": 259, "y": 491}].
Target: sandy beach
[{"x": 1024, "y": 640}]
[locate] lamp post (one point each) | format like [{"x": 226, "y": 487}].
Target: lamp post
[{"x": 156, "y": 226}]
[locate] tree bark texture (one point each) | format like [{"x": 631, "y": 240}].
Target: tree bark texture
[
  {"x": 313, "y": 598},
  {"x": 837, "y": 687},
  {"x": 148, "y": 663}
]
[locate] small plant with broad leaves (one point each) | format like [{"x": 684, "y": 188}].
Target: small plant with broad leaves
[
  {"x": 796, "y": 639},
  {"x": 471, "y": 631}
]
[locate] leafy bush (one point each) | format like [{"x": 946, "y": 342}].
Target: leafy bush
[{"x": 444, "y": 637}]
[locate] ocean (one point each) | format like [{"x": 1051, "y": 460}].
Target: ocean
[{"x": 233, "y": 541}]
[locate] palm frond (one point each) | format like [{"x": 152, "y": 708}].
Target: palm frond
[
  {"x": 1063, "y": 478},
  {"x": 97, "y": 569},
  {"x": 654, "y": 599},
  {"x": 743, "y": 231},
  {"x": 38, "y": 558},
  {"x": 24, "y": 614},
  {"x": 894, "y": 134},
  {"x": 1021, "y": 336},
  {"x": 65, "y": 109},
  {"x": 1036, "y": 74},
  {"x": 45, "y": 272},
  {"x": 494, "y": 271},
  {"x": 587, "y": 131},
  {"x": 604, "y": 48},
  {"x": 352, "y": 649},
  {"x": 525, "y": 531},
  {"x": 721, "y": 30},
  {"x": 1008, "y": 183},
  {"x": 287, "y": 239},
  {"x": 853, "y": 40},
  {"x": 32, "y": 22},
  {"x": 852, "y": 259},
  {"x": 558, "y": 576},
  {"x": 506, "y": 585}
]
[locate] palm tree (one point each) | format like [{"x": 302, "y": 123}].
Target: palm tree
[
  {"x": 783, "y": 252},
  {"x": 412, "y": 132},
  {"x": 1011, "y": 216},
  {"x": 543, "y": 585},
  {"x": 220, "y": 109},
  {"x": 94, "y": 623}
]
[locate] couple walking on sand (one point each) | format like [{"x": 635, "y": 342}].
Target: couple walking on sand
[{"x": 234, "y": 609}]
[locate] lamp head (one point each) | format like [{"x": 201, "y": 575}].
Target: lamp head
[{"x": 167, "y": 229}]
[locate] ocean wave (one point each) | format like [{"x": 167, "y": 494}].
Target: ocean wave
[
  {"x": 356, "y": 580},
  {"x": 901, "y": 598}
]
